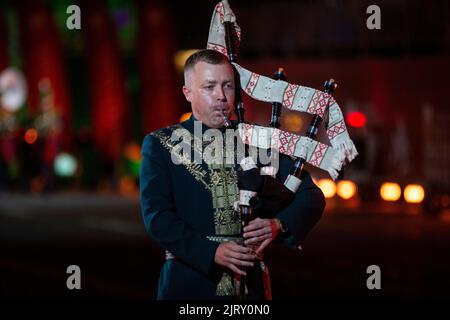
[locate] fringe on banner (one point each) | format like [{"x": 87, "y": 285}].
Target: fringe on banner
[
  {"x": 336, "y": 164},
  {"x": 346, "y": 145},
  {"x": 345, "y": 153}
]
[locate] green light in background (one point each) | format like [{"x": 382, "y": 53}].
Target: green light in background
[
  {"x": 65, "y": 165},
  {"x": 134, "y": 167}
]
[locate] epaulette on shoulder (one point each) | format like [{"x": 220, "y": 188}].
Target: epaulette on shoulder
[{"x": 166, "y": 131}]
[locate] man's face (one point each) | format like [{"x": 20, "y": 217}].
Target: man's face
[{"x": 210, "y": 90}]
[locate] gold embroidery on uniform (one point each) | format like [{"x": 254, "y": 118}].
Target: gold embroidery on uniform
[
  {"x": 215, "y": 178},
  {"x": 224, "y": 192},
  {"x": 193, "y": 168},
  {"x": 225, "y": 286}
]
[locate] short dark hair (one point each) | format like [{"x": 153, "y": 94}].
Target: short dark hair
[{"x": 204, "y": 55}]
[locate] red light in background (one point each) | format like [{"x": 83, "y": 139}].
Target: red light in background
[
  {"x": 356, "y": 119},
  {"x": 31, "y": 136}
]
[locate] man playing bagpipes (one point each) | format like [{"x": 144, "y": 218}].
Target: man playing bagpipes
[{"x": 192, "y": 199}]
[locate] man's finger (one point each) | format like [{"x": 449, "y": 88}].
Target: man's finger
[
  {"x": 241, "y": 256},
  {"x": 241, "y": 263},
  {"x": 263, "y": 245},
  {"x": 254, "y": 240},
  {"x": 235, "y": 269},
  {"x": 233, "y": 246},
  {"x": 259, "y": 232},
  {"x": 257, "y": 225},
  {"x": 242, "y": 249}
]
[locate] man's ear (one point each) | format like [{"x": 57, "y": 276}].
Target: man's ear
[{"x": 187, "y": 93}]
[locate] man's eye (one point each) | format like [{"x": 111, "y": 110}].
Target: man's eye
[
  {"x": 209, "y": 87},
  {"x": 229, "y": 86}
]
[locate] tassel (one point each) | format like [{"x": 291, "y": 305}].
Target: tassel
[
  {"x": 336, "y": 164},
  {"x": 349, "y": 149}
]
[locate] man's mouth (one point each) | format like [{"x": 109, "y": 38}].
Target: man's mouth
[{"x": 222, "y": 112}]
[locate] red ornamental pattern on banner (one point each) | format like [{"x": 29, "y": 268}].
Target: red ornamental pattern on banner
[
  {"x": 289, "y": 94},
  {"x": 336, "y": 129},
  {"x": 275, "y": 140},
  {"x": 319, "y": 103},
  {"x": 221, "y": 11},
  {"x": 288, "y": 142},
  {"x": 218, "y": 47},
  {"x": 318, "y": 154},
  {"x": 248, "y": 132},
  {"x": 252, "y": 83}
]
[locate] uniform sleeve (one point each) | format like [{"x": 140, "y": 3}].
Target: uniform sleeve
[
  {"x": 305, "y": 211},
  {"x": 159, "y": 210}
]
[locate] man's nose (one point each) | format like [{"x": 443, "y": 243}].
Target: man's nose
[{"x": 220, "y": 94}]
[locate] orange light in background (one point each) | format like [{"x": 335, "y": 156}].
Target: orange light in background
[
  {"x": 414, "y": 193},
  {"x": 127, "y": 186},
  {"x": 356, "y": 119},
  {"x": 346, "y": 189},
  {"x": 328, "y": 187},
  {"x": 185, "y": 116},
  {"x": 292, "y": 121},
  {"x": 390, "y": 191},
  {"x": 180, "y": 58},
  {"x": 31, "y": 136},
  {"x": 132, "y": 152}
]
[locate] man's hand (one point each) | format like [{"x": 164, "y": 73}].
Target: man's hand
[
  {"x": 232, "y": 256},
  {"x": 261, "y": 232}
]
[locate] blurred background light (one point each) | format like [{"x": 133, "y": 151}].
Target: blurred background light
[
  {"x": 292, "y": 121},
  {"x": 13, "y": 89},
  {"x": 356, "y": 119},
  {"x": 127, "y": 186},
  {"x": 65, "y": 165},
  {"x": 328, "y": 187},
  {"x": 31, "y": 136},
  {"x": 346, "y": 189},
  {"x": 414, "y": 193},
  {"x": 185, "y": 116},
  {"x": 180, "y": 58},
  {"x": 133, "y": 152},
  {"x": 390, "y": 191}
]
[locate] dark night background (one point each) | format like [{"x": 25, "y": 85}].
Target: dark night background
[{"x": 119, "y": 78}]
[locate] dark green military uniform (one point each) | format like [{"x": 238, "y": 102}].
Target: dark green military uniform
[{"x": 189, "y": 209}]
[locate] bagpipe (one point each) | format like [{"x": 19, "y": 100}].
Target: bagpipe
[{"x": 259, "y": 188}]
